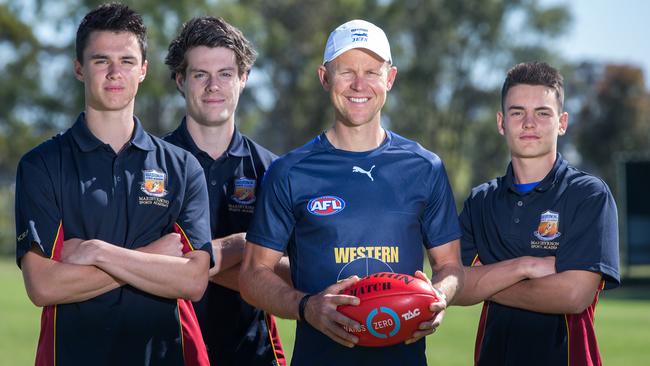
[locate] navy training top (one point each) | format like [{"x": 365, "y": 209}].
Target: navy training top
[
  {"x": 339, "y": 213},
  {"x": 75, "y": 186},
  {"x": 570, "y": 215},
  {"x": 246, "y": 335}
]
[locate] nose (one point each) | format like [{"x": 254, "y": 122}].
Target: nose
[
  {"x": 529, "y": 121},
  {"x": 212, "y": 85},
  {"x": 114, "y": 72},
  {"x": 358, "y": 83}
]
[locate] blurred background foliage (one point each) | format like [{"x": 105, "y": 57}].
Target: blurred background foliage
[{"x": 451, "y": 55}]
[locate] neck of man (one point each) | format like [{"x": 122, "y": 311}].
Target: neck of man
[
  {"x": 356, "y": 138},
  {"x": 114, "y": 128},
  {"x": 214, "y": 140},
  {"x": 529, "y": 170}
]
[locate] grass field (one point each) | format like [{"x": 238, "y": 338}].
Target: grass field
[{"x": 622, "y": 325}]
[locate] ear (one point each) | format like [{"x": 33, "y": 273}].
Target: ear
[
  {"x": 564, "y": 123},
  {"x": 180, "y": 82},
  {"x": 143, "y": 70},
  {"x": 324, "y": 78},
  {"x": 78, "y": 70},
  {"x": 500, "y": 123},
  {"x": 242, "y": 81},
  {"x": 392, "y": 74}
]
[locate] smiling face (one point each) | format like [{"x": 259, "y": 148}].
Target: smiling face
[
  {"x": 211, "y": 85},
  {"x": 358, "y": 82},
  {"x": 532, "y": 121},
  {"x": 112, "y": 70}
]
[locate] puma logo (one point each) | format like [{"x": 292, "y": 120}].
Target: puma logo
[{"x": 356, "y": 169}]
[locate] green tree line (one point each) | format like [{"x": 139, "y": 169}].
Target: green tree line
[{"x": 451, "y": 55}]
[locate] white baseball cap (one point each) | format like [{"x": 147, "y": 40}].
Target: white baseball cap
[{"x": 357, "y": 34}]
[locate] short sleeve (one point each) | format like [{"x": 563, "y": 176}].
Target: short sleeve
[
  {"x": 468, "y": 250},
  {"x": 38, "y": 213},
  {"x": 194, "y": 218},
  {"x": 591, "y": 239},
  {"x": 440, "y": 219},
  {"x": 273, "y": 221}
]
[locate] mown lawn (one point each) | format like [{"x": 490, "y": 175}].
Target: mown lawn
[{"x": 622, "y": 325}]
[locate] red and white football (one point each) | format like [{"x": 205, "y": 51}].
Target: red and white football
[{"x": 392, "y": 307}]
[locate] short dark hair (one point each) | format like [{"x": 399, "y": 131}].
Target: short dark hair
[
  {"x": 114, "y": 17},
  {"x": 210, "y": 32},
  {"x": 534, "y": 73}
]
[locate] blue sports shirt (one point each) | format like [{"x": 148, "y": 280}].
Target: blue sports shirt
[
  {"x": 75, "y": 186},
  {"x": 570, "y": 215},
  {"x": 339, "y": 213},
  {"x": 247, "y": 336}
]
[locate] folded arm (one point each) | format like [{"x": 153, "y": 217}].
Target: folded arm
[
  {"x": 158, "y": 274},
  {"x": 483, "y": 281},
  {"x": 568, "y": 292},
  {"x": 49, "y": 282}
]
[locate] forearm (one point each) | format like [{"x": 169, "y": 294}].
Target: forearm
[
  {"x": 227, "y": 252},
  {"x": 449, "y": 279},
  {"x": 482, "y": 282},
  {"x": 261, "y": 287},
  {"x": 568, "y": 292},
  {"x": 228, "y": 278},
  {"x": 49, "y": 282},
  {"x": 162, "y": 275}
]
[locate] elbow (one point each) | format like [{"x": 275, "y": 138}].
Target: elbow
[
  {"x": 40, "y": 296},
  {"x": 577, "y": 302},
  {"x": 195, "y": 291},
  {"x": 195, "y": 288},
  {"x": 244, "y": 289}
]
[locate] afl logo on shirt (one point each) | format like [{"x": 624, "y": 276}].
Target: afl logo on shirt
[
  {"x": 325, "y": 205},
  {"x": 548, "y": 226}
]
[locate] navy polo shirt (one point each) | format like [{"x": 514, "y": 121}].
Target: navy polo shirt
[
  {"x": 340, "y": 213},
  {"x": 570, "y": 215},
  {"x": 75, "y": 186},
  {"x": 235, "y": 332}
]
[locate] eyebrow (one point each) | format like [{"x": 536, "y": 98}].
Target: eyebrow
[
  {"x": 229, "y": 68},
  {"x": 518, "y": 107},
  {"x": 101, "y": 56}
]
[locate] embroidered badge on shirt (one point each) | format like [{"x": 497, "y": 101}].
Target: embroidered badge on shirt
[
  {"x": 154, "y": 183},
  {"x": 548, "y": 226},
  {"x": 244, "y": 193}
]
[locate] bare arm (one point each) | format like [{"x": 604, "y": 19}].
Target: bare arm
[
  {"x": 158, "y": 274},
  {"x": 227, "y": 253},
  {"x": 263, "y": 288},
  {"x": 483, "y": 281},
  {"x": 447, "y": 279},
  {"x": 230, "y": 277},
  {"x": 568, "y": 292},
  {"x": 49, "y": 282}
]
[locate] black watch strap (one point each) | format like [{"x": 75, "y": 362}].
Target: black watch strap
[{"x": 301, "y": 307}]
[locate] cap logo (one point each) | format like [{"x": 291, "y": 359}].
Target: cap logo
[{"x": 359, "y": 34}]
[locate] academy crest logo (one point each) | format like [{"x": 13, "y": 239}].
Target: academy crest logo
[
  {"x": 154, "y": 183},
  {"x": 548, "y": 226},
  {"x": 244, "y": 192},
  {"x": 325, "y": 205}
]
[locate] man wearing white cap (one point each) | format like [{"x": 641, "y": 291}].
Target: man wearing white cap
[{"x": 356, "y": 200}]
